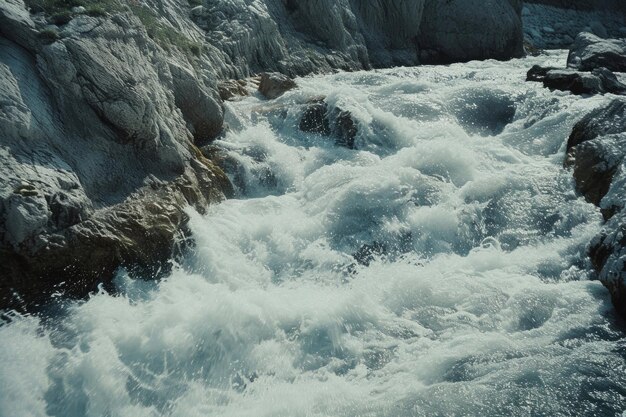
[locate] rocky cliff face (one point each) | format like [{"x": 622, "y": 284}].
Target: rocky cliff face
[
  {"x": 103, "y": 104},
  {"x": 556, "y": 23}
]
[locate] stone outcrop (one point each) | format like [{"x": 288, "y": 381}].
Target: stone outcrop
[
  {"x": 300, "y": 37},
  {"x": 600, "y": 122},
  {"x": 556, "y": 23},
  {"x": 97, "y": 146},
  {"x": 590, "y": 51},
  {"x": 590, "y": 63},
  {"x": 596, "y": 150},
  {"x": 102, "y": 112},
  {"x": 598, "y": 81}
]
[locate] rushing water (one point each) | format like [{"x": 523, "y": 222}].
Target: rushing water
[{"x": 470, "y": 295}]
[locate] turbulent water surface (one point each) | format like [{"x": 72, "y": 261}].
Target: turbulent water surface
[{"x": 437, "y": 269}]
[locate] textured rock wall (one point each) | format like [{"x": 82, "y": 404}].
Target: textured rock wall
[
  {"x": 556, "y": 23},
  {"x": 454, "y": 30}
]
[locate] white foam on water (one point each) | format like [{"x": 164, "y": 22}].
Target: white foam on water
[{"x": 438, "y": 269}]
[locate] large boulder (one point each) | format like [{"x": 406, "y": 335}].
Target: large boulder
[
  {"x": 464, "y": 30},
  {"x": 590, "y": 52}
]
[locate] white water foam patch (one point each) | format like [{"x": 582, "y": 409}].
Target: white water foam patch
[
  {"x": 434, "y": 270},
  {"x": 25, "y": 352}
]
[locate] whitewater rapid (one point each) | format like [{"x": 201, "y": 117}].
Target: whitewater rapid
[{"x": 438, "y": 269}]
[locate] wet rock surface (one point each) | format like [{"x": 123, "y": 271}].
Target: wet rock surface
[
  {"x": 597, "y": 151},
  {"x": 275, "y": 84},
  {"x": 555, "y": 24},
  {"x": 320, "y": 118},
  {"x": 453, "y": 31},
  {"x": 591, "y": 63},
  {"x": 599, "y": 81},
  {"x": 590, "y": 52}
]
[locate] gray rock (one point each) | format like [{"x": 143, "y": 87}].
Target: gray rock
[
  {"x": 600, "y": 122},
  {"x": 232, "y": 88},
  {"x": 589, "y": 52},
  {"x": 274, "y": 84},
  {"x": 198, "y": 11},
  {"x": 597, "y": 152},
  {"x": 593, "y": 169},
  {"x": 599, "y": 81},
  {"x": 95, "y": 129},
  {"x": 16, "y": 24}
]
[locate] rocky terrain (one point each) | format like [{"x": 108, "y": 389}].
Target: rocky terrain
[
  {"x": 556, "y": 23},
  {"x": 596, "y": 148},
  {"x": 104, "y": 104}
]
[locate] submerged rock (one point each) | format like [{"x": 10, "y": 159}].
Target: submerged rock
[
  {"x": 319, "y": 118},
  {"x": 483, "y": 111},
  {"x": 538, "y": 73},
  {"x": 315, "y": 118}
]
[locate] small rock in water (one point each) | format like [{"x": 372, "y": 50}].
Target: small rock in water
[
  {"x": 538, "y": 73},
  {"x": 315, "y": 119},
  {"x": 318, "y": 118},
  {"x": 275, "y": 84}
]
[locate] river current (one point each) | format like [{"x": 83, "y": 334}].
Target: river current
[{"x": 437, "y": 269}]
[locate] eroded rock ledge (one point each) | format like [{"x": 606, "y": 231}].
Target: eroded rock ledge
[{"x": 103, "y": 105}]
